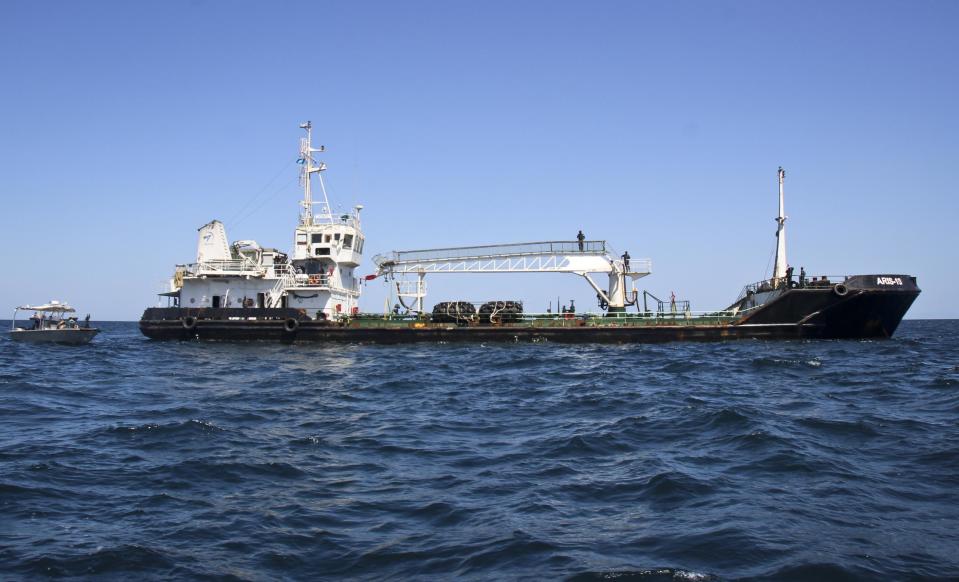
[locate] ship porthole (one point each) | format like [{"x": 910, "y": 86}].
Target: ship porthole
[
  {"x": 188, "y": 322},
  {"x": 291, "y": 325},
  {"x": 840, "y": 290}
]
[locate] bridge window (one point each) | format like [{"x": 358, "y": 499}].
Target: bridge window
[
  {"x": 322, "y": 251},
  {"x": 316, "y": 238},
  {"x": 347, "y": 241}
]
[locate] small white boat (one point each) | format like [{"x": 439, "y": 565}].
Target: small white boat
[{"x": 48, "y": 325}]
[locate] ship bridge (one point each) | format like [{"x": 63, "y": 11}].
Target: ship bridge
[{"x": 576, "y": 257}]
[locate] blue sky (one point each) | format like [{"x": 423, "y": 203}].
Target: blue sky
[{"x": 657, "y": 126}]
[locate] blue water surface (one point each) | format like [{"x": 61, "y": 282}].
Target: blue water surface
[{"x": 795, "y": 460}]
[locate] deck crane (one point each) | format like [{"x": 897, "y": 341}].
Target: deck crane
[{"x": 577, "y": 257}]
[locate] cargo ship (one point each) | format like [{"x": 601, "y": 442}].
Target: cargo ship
[{"x": 241, "y": 291}]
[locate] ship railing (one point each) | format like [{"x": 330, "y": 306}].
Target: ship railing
[
  {"x": 244, "y": 266},
  {"x": 591, "y": 247},
  {"x": 772, "y": 284},
  {"x": 303, "y": 280},
  {"x": 295, "y": 279},
  {"x": 677, "y": 317},
  {"x": 641, "y": 316}
]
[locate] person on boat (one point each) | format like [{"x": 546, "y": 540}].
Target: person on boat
[
  {"x": 580, "y": 237},
  {"x": 86, "y": 321},
  {"x": 789, "y": 276},
  {"x": 35, "y": 321},
  {"x": 802, "y": 277},
  {"x": 43, "y": 320},
  {"x": 626, "y": 261}
]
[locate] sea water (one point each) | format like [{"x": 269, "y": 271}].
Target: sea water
[{"x": 800, "y": 460}]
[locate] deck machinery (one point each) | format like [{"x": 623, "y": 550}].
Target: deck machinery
[{"x": 581, "y": 258}]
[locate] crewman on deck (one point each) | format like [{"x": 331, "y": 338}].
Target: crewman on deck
[
  {"x": 626, "y": 261},
  {"x": 789, "y": 276},
  {"x": 802, "y": 277},
  {"x": 35, "y": 320},
  {"x": 580, "y": 237}
]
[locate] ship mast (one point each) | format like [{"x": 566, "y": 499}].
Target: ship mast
[
  {"x": 779, "y": 269},
  {"x": 310, "y": 167}
]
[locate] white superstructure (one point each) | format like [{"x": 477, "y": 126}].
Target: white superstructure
[{"x": 317, "y": 277}]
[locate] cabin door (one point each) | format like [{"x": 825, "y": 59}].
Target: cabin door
[
  {"x": 216, "y": 301},
  {"x": 261, "y": 300}
]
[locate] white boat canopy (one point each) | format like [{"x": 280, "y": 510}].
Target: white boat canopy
[{"x": 54, "y": 306}]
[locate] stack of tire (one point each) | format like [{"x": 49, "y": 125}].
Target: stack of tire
[
  {"x": 453, "y": 312},
  {"x": 501, "y": 311}
]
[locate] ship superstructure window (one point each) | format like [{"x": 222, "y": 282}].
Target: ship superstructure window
[
  {"x": 347, "y": 241},
  {"x": 327, "y": 238},
  {"x": 322, "y": 251},
  {"x": 313, "y": 267},
  {"x": 301, "y": 238},
  {"x": 336, "y": 236},
  {"x": 316, "y": 238}
]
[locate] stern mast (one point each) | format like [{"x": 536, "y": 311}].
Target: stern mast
[{"x": 779, "y": 269}]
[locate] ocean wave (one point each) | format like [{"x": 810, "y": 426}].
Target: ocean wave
[
  {"x": 839, "y": 428},
  {"x": 186, "y": 427},
  {"x": 125, "y": 559},
  {"x": 662, "y": 489}
]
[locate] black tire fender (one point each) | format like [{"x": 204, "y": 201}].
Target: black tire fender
[
  {"x": 840, "y": 289},
  {"x": 291, "y": 325},
  {"x": 188, "y": 323}
]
